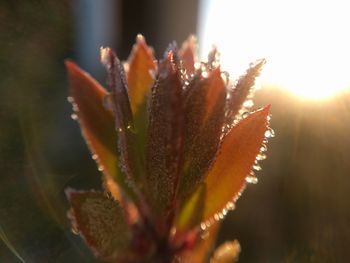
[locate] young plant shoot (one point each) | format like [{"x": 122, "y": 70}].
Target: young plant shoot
[{"x": 176, "y": 143}]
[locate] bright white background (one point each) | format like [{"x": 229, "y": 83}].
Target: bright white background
[{"x": 305, "y": 42}]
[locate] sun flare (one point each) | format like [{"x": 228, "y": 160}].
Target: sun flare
[{"x": 305, "y": 42}]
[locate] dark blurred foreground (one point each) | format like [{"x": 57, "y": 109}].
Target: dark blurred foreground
[{"x": 299, "y": 211}]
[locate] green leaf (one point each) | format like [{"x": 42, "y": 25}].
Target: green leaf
[
  {"x": 165, "y": 145},
  {"x": 100, "y": 222},
  {"x": 139, "y": 67},
  {"x": 191, "y": 213},
  {"x": 234, "y": 161},
  {"x": 96, "y": 123},
  {"x": 140, "y": 64}
]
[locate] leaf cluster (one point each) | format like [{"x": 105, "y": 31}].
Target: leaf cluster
[{"x": 174, "y": 148}]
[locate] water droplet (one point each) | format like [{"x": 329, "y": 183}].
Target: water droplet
[
  {"x": 100, "y": 168},
  {"x": 257, "y": 167},
  {"x": 120, "y": 129},
  {"x": 209, "y": 223},
  {"x": 224, "y": 211},
  {"x": 75, "y": 107},
  {"x": 74, "y": 116},
  {"x": 248, "y": 104},
  {"x": 263, "y": 148},
  {"x": 203, "y": 226},
  {"x": 94, "y": 157},
  {"x": 252, "y": 179},
  {"x": 74, "y": 230},
  {"x": 197, "y": 65},
  {"x": 230, "y": 206},
  {"x": 269, "y": 133},
  {"x": 216, "y": 217},
  {"x": 205, "y": 74},
  {"x": 261, "y": 157},
  {"x": 70, "y": 99},
  {"x": 245, "y": 114}
]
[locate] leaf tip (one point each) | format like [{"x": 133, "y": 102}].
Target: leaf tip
[
  {"x": 140, "y": 39},
  {"x": 190, "y": 44},
  {"x": 107, "y": 56},
  {"x": 266, "y": 110},
  {"x": 68, "y": 62},
  {"x": 69, "y": 192},
  {"x": 71, "y": 66}
]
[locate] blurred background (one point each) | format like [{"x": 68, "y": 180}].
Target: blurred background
[{"x": 300, "y": 209}]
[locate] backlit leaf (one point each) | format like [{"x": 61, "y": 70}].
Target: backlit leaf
[
  {"x": 213, "y": 57},
  {"x": 128, "y": 157},
  {"x": 164, "y": 149},
  {"x": 188, "y": 53},
  {"x": 99, "y": 221},
  {"x": 174, "y": 158},
  {"x": 97, "y": 123},
  {"x": 234, "y": 161},
  {"x": 139, "y": 67},
  {"x": 242, "y": 89},
  {"x": 204, "y": 116}
]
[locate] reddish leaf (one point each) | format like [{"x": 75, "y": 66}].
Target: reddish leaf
[
  {"x": 129, "y": 207},
  {"x": 204, "y": 116},
  {"x": 234, "y": 161},
  {"x": 242, "y": 89},
  {"x": 128, "y": 156},
  {"x": 194, "y": 107},
  {"x": 164, "y": 149},
  {"x": 97, "y": 123},
  {"x": 188, "y": 53},
  {"x": 99, "y": 220}
]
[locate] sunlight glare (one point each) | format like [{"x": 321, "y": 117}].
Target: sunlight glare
[{"x": 306, "y": 43}]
